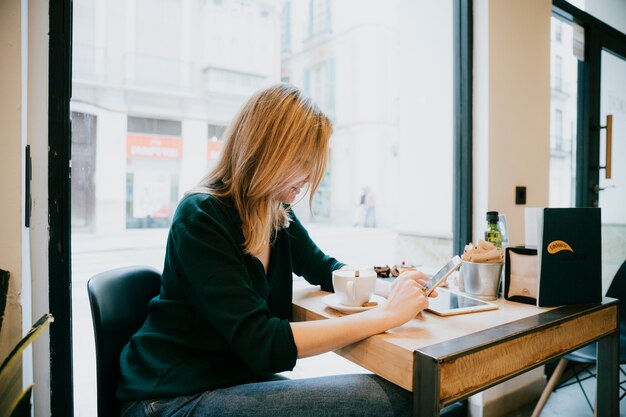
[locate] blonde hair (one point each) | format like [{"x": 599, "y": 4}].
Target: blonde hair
[{"x": 277, "y": 130}]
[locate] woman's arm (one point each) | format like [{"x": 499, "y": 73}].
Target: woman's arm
[
  {"x": 307, "y": 259},
  {"x": 405, "y": 301}
]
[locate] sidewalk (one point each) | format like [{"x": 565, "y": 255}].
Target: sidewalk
[{"x": 354, "y": 245}]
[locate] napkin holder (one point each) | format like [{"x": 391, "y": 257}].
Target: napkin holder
[{"x": 520, "y": 275}]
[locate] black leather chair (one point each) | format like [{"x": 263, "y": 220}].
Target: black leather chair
[
  {"x": 119, "y": 305},
  {"x": 587, "y": 354}
]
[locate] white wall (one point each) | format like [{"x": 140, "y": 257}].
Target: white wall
[
  {"x": 511, "y": 140},
  {"x": 38, "y": 139},
  {"x": 24, "y": 118},
  {"x": 11, "y": 169},
  {"x": 195, "y": 133},
  {"x": 111, "y": 168},
  {"x": 512, "y": 109}
]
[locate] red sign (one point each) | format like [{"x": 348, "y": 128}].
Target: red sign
[{"x": 149, "y": 146}]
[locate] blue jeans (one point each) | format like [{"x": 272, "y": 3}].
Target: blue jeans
[{"x": 344, "y": 395}]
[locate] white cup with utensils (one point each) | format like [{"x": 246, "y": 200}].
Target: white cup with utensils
[{"x": 354, "y": 287}]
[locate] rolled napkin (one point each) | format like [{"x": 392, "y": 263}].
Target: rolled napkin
[{"x": 483, "y": 252}]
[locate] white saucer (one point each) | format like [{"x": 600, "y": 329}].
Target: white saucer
[{"x": 332, "y": 301}]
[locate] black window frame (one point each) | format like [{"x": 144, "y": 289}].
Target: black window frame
[
  {"x": 598, "y": 36},
  {"x": 59, "y": 142},
  {"x": 462, "y": 201},
  {"x": 59, "y": 203}
]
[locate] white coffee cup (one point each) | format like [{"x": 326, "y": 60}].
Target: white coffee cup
[{"x": 354, "y": 287}]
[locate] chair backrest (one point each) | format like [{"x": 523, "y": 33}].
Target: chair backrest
[
  {"x": 617, "y": 289},
  {"x": 119, "y": 306}
]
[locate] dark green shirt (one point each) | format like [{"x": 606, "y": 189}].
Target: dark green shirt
[{"x": 219, "y": 320}]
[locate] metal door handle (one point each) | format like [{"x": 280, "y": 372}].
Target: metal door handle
[
  {"x": 609, "y": 145},
  {"x": 597, "y": 188}
]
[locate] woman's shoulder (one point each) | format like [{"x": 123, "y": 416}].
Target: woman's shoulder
[{"x": 195, "y": 204}]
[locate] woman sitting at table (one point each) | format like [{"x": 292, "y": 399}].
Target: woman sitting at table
[{"x": 220, "y": 330}]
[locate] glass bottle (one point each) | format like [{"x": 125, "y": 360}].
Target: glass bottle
[
  {"x": 504, "y": 229},
  {"x": 493, "y": 233}
]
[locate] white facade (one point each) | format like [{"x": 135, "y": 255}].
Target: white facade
[
  {"x": 384, "y": 75},
  {"x": 192, "y": 62},
  {"x": 563, "y": 113},
  {"x": 388, "y": 72}
]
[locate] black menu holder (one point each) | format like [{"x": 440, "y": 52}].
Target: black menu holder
[{"x": 569, "y": 256}]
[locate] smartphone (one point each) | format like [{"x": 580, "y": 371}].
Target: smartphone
[{"x": 442, "y": 274}]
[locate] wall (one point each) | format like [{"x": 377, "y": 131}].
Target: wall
[
  {"x": 11, "y": 163},
  {"x": 511, "y": 140},
  {"x": 512, "y": 109},
  {"x": 37, "y": 132},
  {"x": 24, "y": 118}
]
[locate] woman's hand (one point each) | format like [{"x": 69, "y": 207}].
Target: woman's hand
[
  {"x": 405, "y": 301},
  {"x": 407, "y": 297}
]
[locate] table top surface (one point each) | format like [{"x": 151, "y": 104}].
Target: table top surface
[
  {"x": 507, "y": 341},
  {"x": 427, "y": 328}
]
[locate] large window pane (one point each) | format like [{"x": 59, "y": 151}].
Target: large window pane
[
  {"x": 385, "y": 76},
  {"x": 565, "y": 39},
  {"x": 612, "y": 184},
  {"x": 611, "y": 12},
  {"x": 156, "y": 82}
]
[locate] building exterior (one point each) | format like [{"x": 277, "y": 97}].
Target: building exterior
[
  {"x": 155, "y": 84},
  {"x": 566, "y": 49}
]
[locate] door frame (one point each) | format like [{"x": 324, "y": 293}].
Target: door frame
[
  {"x": 59, "y": 189},
  {"x": 598, "y": 37}
]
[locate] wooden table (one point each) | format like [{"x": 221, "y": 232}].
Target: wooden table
[{"x": 445, "y": 359}]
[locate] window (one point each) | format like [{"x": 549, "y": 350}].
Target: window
[
  {"x": 558, "y": 130},
  {"x": 285, "y": 25},
  {"x": 181, "y": 70},
  {"x": 88, "y": 58},
  {"x": 154, "y": 126},
  {"x": 319, "y": 83},
  {"x": 564, "y": 110},
  {"x": 84, "y": 127},
  {"x": 225, "y": 81},
  {"x": 600, "y": 44},
  {"x": 215, "y": 142},
  {"x": 319, "y": 17},
  {"x": 155, "y": 57},
  {"x": 558, "y": 73},
  {"x": 610, "y": 12},
  {"x": 216, "y": 132},
  {"x": 154, "y": 150}
]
